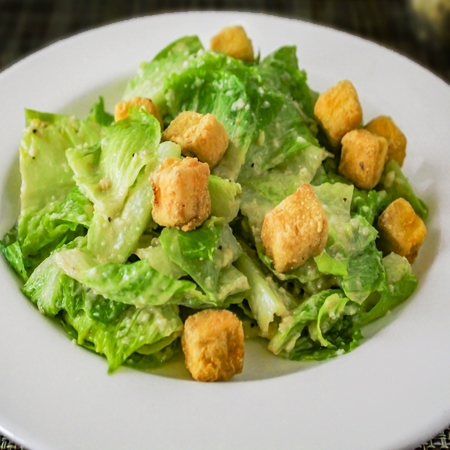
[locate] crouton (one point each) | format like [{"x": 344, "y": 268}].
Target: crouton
[
  {"x": 401, "y": 230},
  {"x": 338, "y": 111},
  {"x": 213, "y": 345},
  {"x": 121, "y": 109},
  {"x": 234, "y": 42},
  {"x": 363, "y": 158},
  {"x": 385, "y": 126},
  {"x": 199, "y": 135},
  {"x": 295, "y": 230},
  {"x": 180, "y": 193}
]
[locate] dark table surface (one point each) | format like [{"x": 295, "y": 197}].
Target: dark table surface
[{"x": 29, "y": 25}]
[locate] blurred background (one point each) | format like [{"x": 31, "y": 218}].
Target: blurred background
[{"x": 417, "y": 29}]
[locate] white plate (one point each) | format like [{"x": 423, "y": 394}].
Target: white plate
[{"x": 393, "y": 392}]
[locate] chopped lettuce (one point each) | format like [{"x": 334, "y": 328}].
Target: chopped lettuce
[
  {"x": 224, "y": 197},
  {"x": 150, "y": 326},
  {"x": 206, "y": 255},
  {"x": 151, "y": 79},
  {"x": 400, "y": 283},
  {"x": 323, "y": 326},
  {"x": 366, "y": 274},
  {"x": 106, "y": 171},
  {"x": 265, "y": 299},
  {"x": 99, "y": 115},
  {"x": 43, "y": 157},
  {"x": 12, "y": 252},
  {"x": 396, "y": 185},
  {"x": 135, "y": 284},
  {"x": 55, "y": 225},
  {"x": 114, "y": 239}
]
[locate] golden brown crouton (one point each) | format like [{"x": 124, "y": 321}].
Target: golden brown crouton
[
  {"x": 363, "y": 157},
  {"x": 213, "y": 345},
  {"x": 234, "y": 42},
  {"x": 121, "y": 109},
  {"x": 402, "y": 231},
  {"x": 385, "y": 126},
  {"x": 198, "y": 135},
  {"x": 180, "y": 193},
  {"x": 338, "y": 111},
  {"x": 295, "y": 230}
]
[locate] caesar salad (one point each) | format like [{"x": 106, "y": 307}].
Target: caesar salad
[{"x": 223, "y": 200}]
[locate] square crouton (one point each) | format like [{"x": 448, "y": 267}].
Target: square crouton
[
  {"x": 385, "y": 126},
  {"x": 180, "y": 193},
  {"x": 363, "y": 158},
  {"x": 401, "y": 230},
  {"x": 199, "y": 135},
  {"x": 234, "y": 42},
  {"x": 213, "y": 345},
  {"x": 121, "y": 109},
  {"x": 295, "y": 230},
  {"x": 338, "y": 111}
]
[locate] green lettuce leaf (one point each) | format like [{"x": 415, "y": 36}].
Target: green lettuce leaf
[
  {"x": 153, "y": 327},
  {"x": 366, "y": 274},
  {"x": 55, "y": 225},
  {"x": 400, "y": 285},
  {"x": 224, "y": 197},
  {"x": 323, "y": 326},
  {"x": 369, "y": 204},
  {"x": 266, "y": 300},
  {"x": 155, "y": 255},
  {"x": 281, "y": 68},
  {"x": 396, "y": 185},
  {"x": 12, "y": 252},
  {"x": 206, "y": 254},
  {"x": 150, "y": 80},
  {"x": 47, "y": 178},
  {"x": 110, "y": 328},
  {"x": 114, "y": 239},
  {"x": 99, "y": 115},
  {"x": 106, "y": 171},
  {"x": 137, "y": 284}
]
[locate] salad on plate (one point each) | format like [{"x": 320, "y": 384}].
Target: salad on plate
[{"x": 223, "y": 200}]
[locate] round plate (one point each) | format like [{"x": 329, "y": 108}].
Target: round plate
[{"x": 393, "y": 392}]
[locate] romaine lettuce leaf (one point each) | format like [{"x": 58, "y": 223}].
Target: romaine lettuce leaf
[
  {"x": 394, "y": 182},
  {"x": 323, "y": 326},
  {"x": 99, "y": 115},
  {"x": 369, "y": 204},
  {"x": 115, "y": 329},
  {"x": 135, "y": 328},
  {"x": 46, "y": 176},
  {"x": 106, "y": 171},
  {"x": 150, "y": 80},
  {"x": 366, "y": 274},
  {"x": 281, "y": 70},
  {"x": 224, "y": 197},
  {"x": 158, "y": 260},
  {"x": 206, "y": 254},
  {"x": 347, "y": 236},
  {"x": 266, "y": 300},
  {"x": 137, "y": 284},
  {"x": 114, "y": 239},
  {"x": 400, "y": 285},
  {"x": 55, "y": 225},
  {"x": 10, "y": 248}
]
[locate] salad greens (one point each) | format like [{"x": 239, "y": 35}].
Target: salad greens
[{"x": 90, "y": 255}]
